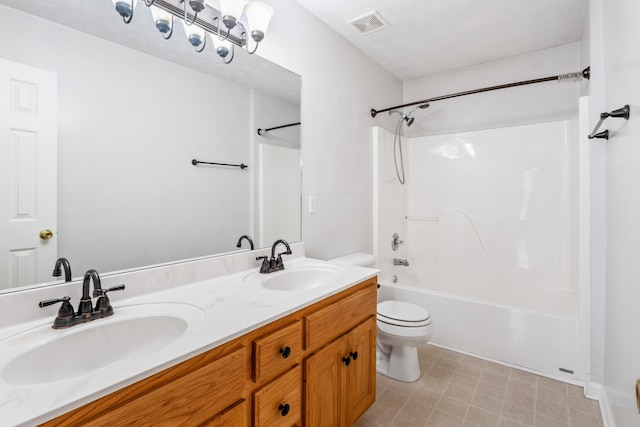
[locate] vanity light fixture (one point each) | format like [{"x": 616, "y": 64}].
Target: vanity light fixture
[
  {"x": 163, "y": 21},
  {"x": 226, "y": 27}
]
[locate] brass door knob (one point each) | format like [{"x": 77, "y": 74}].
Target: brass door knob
[{"x": 46, "y": 234}]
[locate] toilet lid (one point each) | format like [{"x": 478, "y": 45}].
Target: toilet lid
[{"x": 402, "y": 313}]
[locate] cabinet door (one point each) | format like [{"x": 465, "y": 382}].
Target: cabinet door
[
  {"x": 323, "y": 386},
  {"x": 234, "y": 416},
  {"x": 361, "y": 372}
]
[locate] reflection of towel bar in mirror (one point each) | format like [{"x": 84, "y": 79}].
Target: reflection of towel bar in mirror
[
  {"x": 261, "y": 131},
  {"x": 619, "y": 113},
  {"x": 195, "y": 162}
]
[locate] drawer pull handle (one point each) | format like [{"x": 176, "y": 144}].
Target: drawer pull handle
[
  {"x": 354, "y": 354},
  {"x": 346, "y": 360},
  {"x": 285, "y": 352},
  {"x": 284, "y": 409}
]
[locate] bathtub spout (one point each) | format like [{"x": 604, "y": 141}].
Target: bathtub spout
[{"x": 397, "y": 261}]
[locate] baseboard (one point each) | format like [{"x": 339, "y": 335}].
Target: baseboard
[{"x": 605, "y": 408}]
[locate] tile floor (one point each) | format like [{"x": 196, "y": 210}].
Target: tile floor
[{"x": 457, "y": 390}]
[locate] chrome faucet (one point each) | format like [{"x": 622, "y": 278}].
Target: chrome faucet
[
  {"x": 247, "y": 238},
  {"x": 269, "y": 265},
  {"x": 86, "y": 312},
  {"x": 62, "y": 263},
  {"x": 398, "y": 261}
]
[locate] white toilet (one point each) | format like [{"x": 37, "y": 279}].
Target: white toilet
[{"x": 402, "y": 327}]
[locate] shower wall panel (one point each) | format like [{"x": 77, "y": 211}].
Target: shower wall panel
[{"x": 490, "y": 215}]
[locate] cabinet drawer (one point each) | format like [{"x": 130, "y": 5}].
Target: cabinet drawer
[
  {"x": 190, "y": 399},
  {"x": 279, "y": 403},
  {"x": 234, "y": 416},
  {"x": 277, "y": 351},
  {"x": 332, "y": 321}
]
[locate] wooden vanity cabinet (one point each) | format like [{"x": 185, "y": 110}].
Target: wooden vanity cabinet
[
  {"x": 291, "y": 372},
  {"x": 339, "y": 379}
]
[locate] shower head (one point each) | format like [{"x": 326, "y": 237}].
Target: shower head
[{"x": 407, "y": 117}]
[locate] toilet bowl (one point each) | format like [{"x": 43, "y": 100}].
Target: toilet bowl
[{"x": 402, "y": 327}]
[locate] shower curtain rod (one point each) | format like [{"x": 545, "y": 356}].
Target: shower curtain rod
[{"x": 569, "y": 76}]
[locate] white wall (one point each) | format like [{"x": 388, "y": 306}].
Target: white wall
[
  {"x": 339, "y": 87},
  {"x": 535, "y": 103},
  {"x": 128, "y": 130},
  {"x": 621, "y": 70}
]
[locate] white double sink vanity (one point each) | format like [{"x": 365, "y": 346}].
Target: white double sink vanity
[{"x": 216, "y": 326}]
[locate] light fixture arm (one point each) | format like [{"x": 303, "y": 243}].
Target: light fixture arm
[
  {"x": 233, "y": 52},
  {"x": 149, "y": 3},
  {"x": 169, "y": 33},
  {"x": 216, "y": 22},
  {"x": 186, "y": 17},
  {"x": 245, "y": 39}
]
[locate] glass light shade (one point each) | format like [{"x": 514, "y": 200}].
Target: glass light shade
[
  {"x": 161, "y": 18},
  {"x": 258, "y": 15},
  {"x": 223, "y": 47},
  {"x": 125, "y": 7},
  {"x": 195, "y": 34},
  {"x": 232, "y": 7}
]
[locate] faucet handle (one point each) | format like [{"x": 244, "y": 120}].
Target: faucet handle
[
  {"x": 103, "y": 304},
  {"x": 66, "y": 309},
  {"x": 265, "y": 267},
  {"x": 103, "y": 292},
  {"x": 65, "y": 316}
]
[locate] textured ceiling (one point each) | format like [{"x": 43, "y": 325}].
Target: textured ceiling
[
  {"x": 99, "y": 18},
  {"x": 428, "y": 37}
]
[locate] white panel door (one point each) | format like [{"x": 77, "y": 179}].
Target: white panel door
[{"x": 28, "y": 174}]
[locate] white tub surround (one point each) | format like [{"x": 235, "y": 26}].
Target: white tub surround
[
  {"x": 492, "y": 231},
  {"x": 226, "y": 303}
]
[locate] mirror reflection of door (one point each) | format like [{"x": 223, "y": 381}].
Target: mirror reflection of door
[{"x": 28, "y": 173}]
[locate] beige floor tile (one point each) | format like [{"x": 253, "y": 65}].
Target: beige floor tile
[
  {"x": 480, "y": 417},
  {"x": 542, "y": 420},
  {"x": 452, "y": 406},
  {"x": 588, "y": 406},
  {"x": 457, "y": 392},
  {"x": 486, "y": 402},
  {"x": 494, "y": 390},
  {"x": 550, "y": 384},
  {"x": 517, "y": 413},
  {"x": 443, "y": 419},
  {"x": 402, "y": 420},
  {"x": 461, "y": 391}
]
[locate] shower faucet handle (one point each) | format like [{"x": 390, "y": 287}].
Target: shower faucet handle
[{"x": 396, "y": 241}]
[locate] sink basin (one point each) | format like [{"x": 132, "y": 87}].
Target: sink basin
[
  {"x": 298, "y": 277},
  {"x": 46, "y": 355}
]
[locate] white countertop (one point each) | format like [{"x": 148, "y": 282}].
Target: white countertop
[{"x": 224, "y": 308}]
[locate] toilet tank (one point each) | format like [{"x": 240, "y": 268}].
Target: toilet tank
[{"x": 360, "y": 259}]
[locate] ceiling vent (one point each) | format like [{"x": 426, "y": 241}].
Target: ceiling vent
[{"x": 369, "y": 23}]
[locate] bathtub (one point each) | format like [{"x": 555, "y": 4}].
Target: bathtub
[{"x": 538, "y": 342}]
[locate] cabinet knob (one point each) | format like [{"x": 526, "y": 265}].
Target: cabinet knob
[
  {"x": 284, "y": 409},
  {"x": 346, "y": 360},
  {"x": 285, "y": 352},
  {"x": 354, "y": 354}
]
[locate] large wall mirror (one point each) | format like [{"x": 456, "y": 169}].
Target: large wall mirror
[{"x": 130, "y": 111}]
